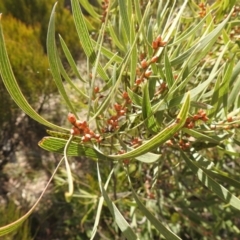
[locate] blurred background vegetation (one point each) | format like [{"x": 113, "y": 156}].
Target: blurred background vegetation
[
  {"x": 25, "y": 28},
  {"x": 25, "y": 25}
]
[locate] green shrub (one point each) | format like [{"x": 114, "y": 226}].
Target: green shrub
[
  {"x": 162, "y": 121},
  {"x": 36, "y": 13},
  {"x": 30, "y": 67},
  {"x": 25, "y": 32},
  {"x": 29, "y": 63}
]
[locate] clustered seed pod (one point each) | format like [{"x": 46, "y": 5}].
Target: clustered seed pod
[
  {"x": 71, "y": 118},
  {"x": 202, "y": 11},
  {"x": 81, "y": 128},
  {"x": 126, "y": 97},
  {"x": 158, "y": 42},
  {"x": 143, "y": 71},
  {"x": 200, "y": 115},
  {"x": 147, "y": 74},
  {"x": 179, "y": 142},
  {"x": 144, "y": 64},
  {"x": 113, "y": 121},
  {"x": 184, "y": 144},
  {"x": 154, "y": 59},
  {"x": 138, "y": 81},
  {"x": 182, "y": 140}
]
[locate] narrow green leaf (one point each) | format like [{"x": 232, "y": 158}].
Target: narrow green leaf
[
  {"x": 89, "y": 8},
  {"x": 167, "y": 233},
  {"x": 107, "y": 53},
  {"x": 101, "y": 201},
  {"x": 206, "y": 41},
  {"x": 124, "y": 17},
  {"x": 67, "y": 78},
  {"x": 113, "y": 90},
  {"x": 148, "y": 157},
  {"x": 202, "y": 161},
  {"x": 52, "y": 56},
  {"x": 135, "y": 98},
  {"x": 225, "y": 87},
  {"x": 215, "y": 187},
  {"x": 118, "y": 217},
  {"x": 163, "y": 11},
  {"x": 201, "y": 105},
  {"x": 149, "y": 38},
  {"x": 187, "y": 34},
  {"x": 57, "y": 142},
  {"x": 199, "y": 90},
  {"x": 94, "y": 71},
  {"x": 91, "y": 24},
  {"x": 234, "y": 85},
  {"x": 109, "y": 65},
  {"x": 115, "y": 38},
  {"x": 84, "y": 37},
  {"x": 200, "y": 136},
  {"x": 173, "y": 24},
  {"x": 97, "y": 218},
  {"x": 56, "y": 145},
  {"x": 134, "y": 57},
  {"x": 70, "y": 59},
  {"x": 69, "y": 193},
  {"x": 185, "y": 75},
  {"x": 192, "y": 215},
  {"x": 224, "y": 178},
  {"x": 235, "y": 73},
  {"x": 138, "y": 11},
  {"x": 147, "y": 113},
  {"x": 214, "y": 101},
  {"x": 229, "y": 152},
  {"x": 13, "y": 88},
  {"x": 168, "y": 70},
  {"x": 221, "y": 90}
]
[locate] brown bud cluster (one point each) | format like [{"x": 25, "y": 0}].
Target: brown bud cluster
[
  {"x": 81, "y": 128},
  {"x": 158, "y": 42},
  {"x": 179, "y": 142},
  {"x": 200, "y": 115},
  {"x": 182, "y": 140},
  {"x": 144, "y": 71},
  {"x": 113, "y": 121},
  {"x": 202, "y": 10},
  {"x": 126, "y": 97}
]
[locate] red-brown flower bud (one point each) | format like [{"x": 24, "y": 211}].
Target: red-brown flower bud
[
  {"x": 144, "y": 64},
  {"x": 71, "y": 118}
]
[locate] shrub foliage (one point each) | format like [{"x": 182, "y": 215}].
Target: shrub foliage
[{"x": 162, "y": 121}]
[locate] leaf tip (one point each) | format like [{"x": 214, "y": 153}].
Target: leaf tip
[{"x": 40, "y": 143}]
